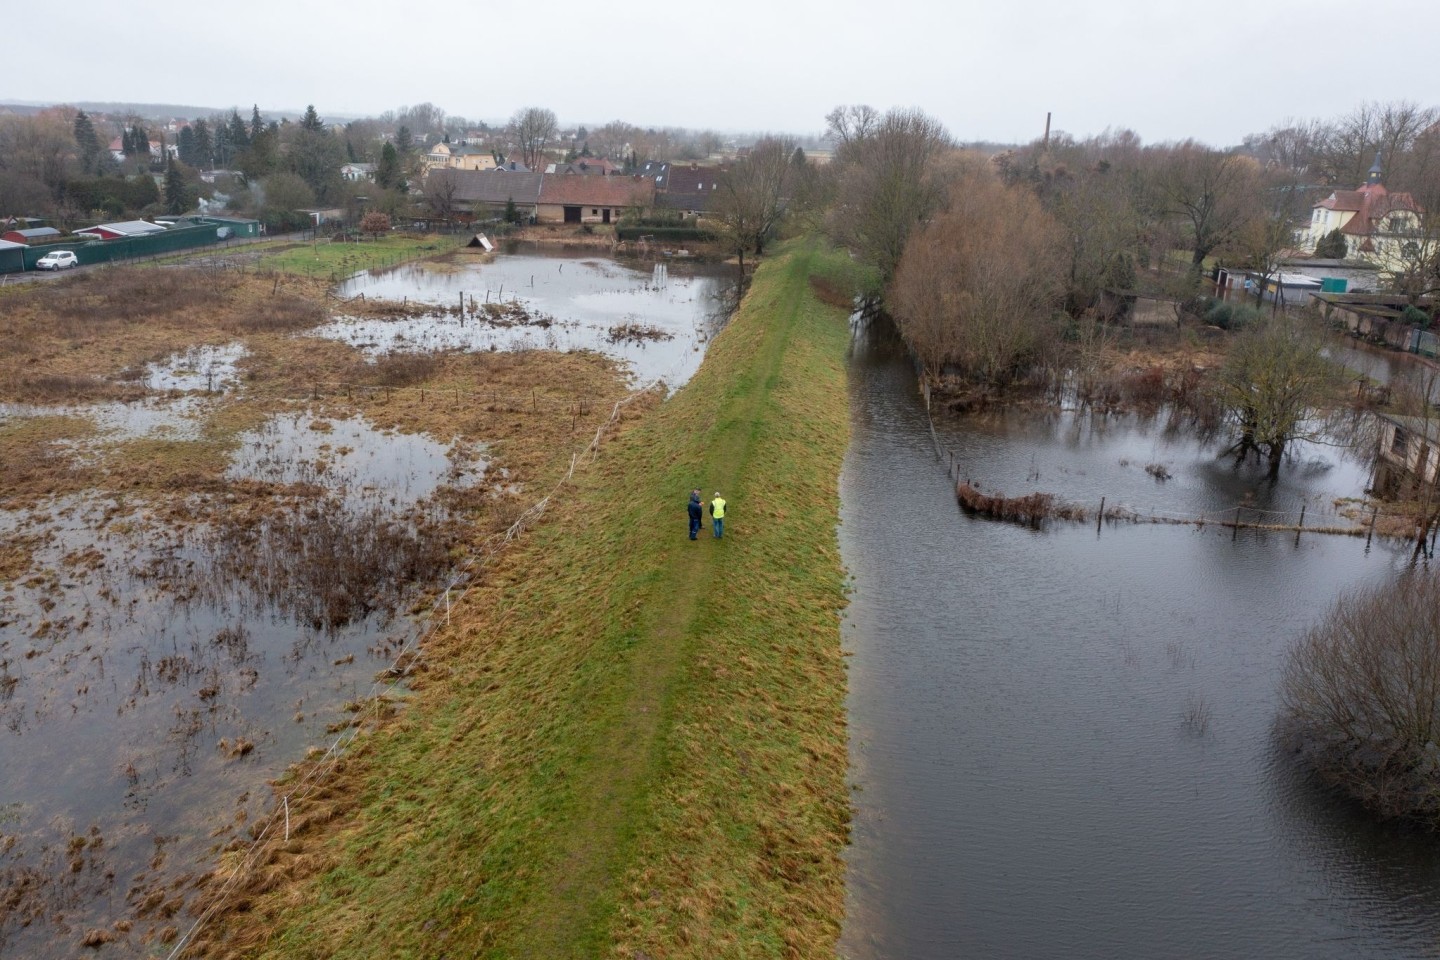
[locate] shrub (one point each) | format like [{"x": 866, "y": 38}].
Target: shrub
[
  {"x": 1361, "y": 697},
  {"x": 1218, "y": 314},
  {"x": 375, "y": 223},
  {"x": 1414, "y": 316},
  {"x": 1332, "y": 246},
  {"x": 664, "y": 233},
  {"x": 1230, "y": 316}
]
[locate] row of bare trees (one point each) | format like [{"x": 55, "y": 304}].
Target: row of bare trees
[{"x": 993, "y": 267}]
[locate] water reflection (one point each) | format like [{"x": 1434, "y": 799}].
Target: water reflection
[
  {"x": 1034, "y": 780},
  {"x": 574, "y": 302}
]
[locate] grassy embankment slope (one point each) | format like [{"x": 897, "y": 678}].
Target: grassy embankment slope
[{"x": 629, "y": 744}]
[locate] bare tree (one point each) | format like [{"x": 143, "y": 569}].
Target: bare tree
[
  {"x": 441, "y": 187},
  {"x": 1263, "y": 239},
  {"x": 533, "y": 128},
  {"x": 750, "y": 196},
  {"x": 1361, "y": 696},
  {"x": 1274, "y": 381},
  {"x": 978, "y": 285},
  {"x": 888, "y": 184},
  {"x": 614, "y": 139},
  {"x": 846, "y": 126},
  {"x": 1089, "y": 187},
  {"x": 1211, "y": 193}
]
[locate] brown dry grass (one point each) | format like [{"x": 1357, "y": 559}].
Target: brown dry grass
[
  {"x": 564, "y": 779},
  {"x": 83, "y": 337}
]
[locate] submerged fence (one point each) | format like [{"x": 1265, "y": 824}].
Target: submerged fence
[{"x": 1039, "y": 508}]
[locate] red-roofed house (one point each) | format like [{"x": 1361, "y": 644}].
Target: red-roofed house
[
  {"x": 1376, "y": 223},
  {"x": 571, "y": 199}
]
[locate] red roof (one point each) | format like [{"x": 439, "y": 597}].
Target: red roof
[
  {"x": 597, "y": 191},
  {"x": 1344, "y": 200},
  {"x": 1371, "y": 203}
]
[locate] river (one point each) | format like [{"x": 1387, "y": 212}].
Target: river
[{"x": 1061, "y": 741}]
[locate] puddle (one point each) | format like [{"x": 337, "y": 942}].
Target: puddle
[
  {"x": 212, "y": 369},
  {"x": 351, "y": 456},
  {"x": 177, "y": 418},
  {"x": 575, "y": 303}
]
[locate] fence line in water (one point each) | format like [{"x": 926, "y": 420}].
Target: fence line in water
[{"x": 1035, "y": 509}]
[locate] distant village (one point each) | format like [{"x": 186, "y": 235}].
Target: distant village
[
  {"x": 1296, "y": 213},
  {"x": 68, "y": 175}
]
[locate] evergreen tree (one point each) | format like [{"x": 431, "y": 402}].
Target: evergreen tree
[
  {"x": 88, "y": 143},
  {"x": 204, "y": 148},
  {"x": 185, "y": 144},
  {"x": 223, "y": 151},
  {"x": 142, "y": 191},
  {"x": 177, "y": 193},
  {"x": 139, "y": 142},
  {"x": 311, "y": 121},
  {"x": 257, "y": 126},
  {"x": 1332, "y": 246},
  {"x": 239, "y": 136},
  {"x": 387, "y": 172},
  {"x": 350, "y": 151},
  {"x": 404, "y": 142}
]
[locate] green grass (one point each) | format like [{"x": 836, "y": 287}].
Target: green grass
[
  {"x": 322, "y": 258},
  {"x": 630, "y": 743}
]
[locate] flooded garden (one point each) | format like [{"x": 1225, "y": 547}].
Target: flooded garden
[
  {"x": 1062, "y": 739},
  {"x": 226, "y": 515}
]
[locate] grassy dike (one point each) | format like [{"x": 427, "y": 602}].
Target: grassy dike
[{"x": 628, "y": 744}]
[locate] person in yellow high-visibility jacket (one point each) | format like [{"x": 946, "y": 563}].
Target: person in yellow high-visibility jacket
[{"x": 717, "y": 514}]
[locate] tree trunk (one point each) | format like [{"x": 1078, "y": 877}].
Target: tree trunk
[{"x": 1277, "y": 455}]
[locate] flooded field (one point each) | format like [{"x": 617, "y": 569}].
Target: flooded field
[
  {"x": 232, "y": 558},
  {"x": 655, "y": 317},
  {"x": 1061, "y": 739},
  {"x": 150, "y": 667}
]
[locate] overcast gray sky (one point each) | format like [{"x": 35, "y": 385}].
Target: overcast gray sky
[{"x": 989, "y": 71}]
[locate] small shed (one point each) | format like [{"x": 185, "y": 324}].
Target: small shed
[
  {"x": 12, "y": 256},
  {"x": 32, "y": 235},
  {"x": 123, "y": 229},
  {"x": 1409, "y": 449}
]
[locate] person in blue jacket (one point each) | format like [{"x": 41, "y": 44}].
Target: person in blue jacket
[{"x": 697, "y": 513}]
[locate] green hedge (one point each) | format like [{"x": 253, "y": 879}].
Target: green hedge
[{"x": 663, "y": 233}]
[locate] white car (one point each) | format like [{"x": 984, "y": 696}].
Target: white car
[{"x": 58, "y": 260}]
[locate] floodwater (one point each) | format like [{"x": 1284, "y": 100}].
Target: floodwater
[
  {"x": 162, "y": 660},
  {"x": 1061, "y": 740},
  {"x": 1401, "y": 371},
  {"x": 573, "y": 302},
  {"x": 155, "y": 673}
]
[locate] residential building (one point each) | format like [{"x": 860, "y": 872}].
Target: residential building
[
  {"x": 355, "y": 172},
  {"x": 592, "y": 199},
  {"x": 458, "y": 157},
  {"x": 486, "y": 194},
  {"x": 690, "y": 189},
  {"x": 1377, "y": 224}
]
